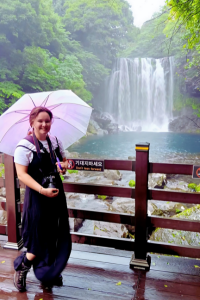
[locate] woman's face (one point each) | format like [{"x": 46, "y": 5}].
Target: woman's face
[{"x": 42, "y": 124}]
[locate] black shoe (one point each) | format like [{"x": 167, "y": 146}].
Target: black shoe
[
  {"x": 20, "y": 278},
  {"x": 58, "y": 281}
]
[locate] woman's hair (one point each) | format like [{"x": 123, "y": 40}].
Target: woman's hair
[{"x": 35, "y": 112}]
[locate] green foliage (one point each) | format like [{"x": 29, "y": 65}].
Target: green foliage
[
  {"x": 62, "y": 177},
  {"x": 102, "y": 197},
  {"x": 192, "y": 186},
  {"x": 132, "y": 236},
  {"x": 178, "y": 211},
  {"x": 102, "y": 27},
  {"x": 36, "y": 53},
  {"x": 197, "y": 188},
  {"x": 9, "y": 93},
  {"x": 187, "y": 14},
  {"x": 60, "y": 44},
  {"x": 131, "y": 183},
  {"x": 2, "y": 170},
  {"x": 72, "y": 171}
]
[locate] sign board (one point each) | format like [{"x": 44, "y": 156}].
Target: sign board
[
  {"x": 196, "y": 172},
  {"x": 85, "y": 165}
]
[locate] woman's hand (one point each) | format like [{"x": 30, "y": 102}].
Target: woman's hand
[
  {"x": 49, "y": 192},
  {"x": 63, "y": 165}
]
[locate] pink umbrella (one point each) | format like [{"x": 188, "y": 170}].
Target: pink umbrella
[{"x": 71, "y": 118}]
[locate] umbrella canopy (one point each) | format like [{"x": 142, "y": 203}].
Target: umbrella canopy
[{"x": 71, "y": 118}]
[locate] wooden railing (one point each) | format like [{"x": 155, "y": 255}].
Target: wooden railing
[{"x": 141, "y": 245}]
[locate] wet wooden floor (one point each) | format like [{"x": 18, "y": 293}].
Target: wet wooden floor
[{"x": 93, "y": 272}]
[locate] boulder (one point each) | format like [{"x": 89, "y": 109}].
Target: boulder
[
  {"x": 75, "y": 224},
  {"x": 112, "y": 127},
  {"x": 112, "y": 174},
  {"x": 123, "y": 205},
  {"x": 3, "y": 192},
  {"x": 102, "y": 132},
  {"x": 3, "y": 217},
  {"x": 157, "y": 181},
  {"x": 91, "y": 128},
  {"x": 110, "y": 229},
  {"x": 126, "y": 205},
  {"x": 105, "y": 121}
]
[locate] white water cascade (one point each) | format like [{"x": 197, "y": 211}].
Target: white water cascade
[{"x": 140, "y": 93}]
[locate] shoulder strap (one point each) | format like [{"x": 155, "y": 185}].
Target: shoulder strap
[
  {"x": 57, "y": 143},
  {"x": 24, "y": 147},
  {"x": 30, "y": 139},
  {"x": 38, "y": 147},
  {"x": 53, "y": 159}
]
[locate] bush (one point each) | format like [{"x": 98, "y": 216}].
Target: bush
[
  {"x": 2, "y": 170},
  {"x": 192, "y": 186},
  {"x": 72, "y": 171},
  {"x": 132, "y": 183},
  {"x": 197, "y": 188},
  {"x": 102, "y": 197},
  {"x": 62, "y": 177}
]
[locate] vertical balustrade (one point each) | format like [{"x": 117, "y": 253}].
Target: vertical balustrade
[
  {"x": 139, "y": 258},
  {"x": 12, "y": 200}
]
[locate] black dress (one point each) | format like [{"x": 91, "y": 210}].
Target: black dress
[{"x": 45, "y": 225}]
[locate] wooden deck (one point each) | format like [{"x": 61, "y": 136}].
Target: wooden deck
[{"x": 93, "y": 272}]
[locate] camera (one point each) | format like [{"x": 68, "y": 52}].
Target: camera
[{"x": 49, "y": 181}]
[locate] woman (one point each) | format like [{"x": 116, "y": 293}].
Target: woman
[{"x": 45, "y": 226}]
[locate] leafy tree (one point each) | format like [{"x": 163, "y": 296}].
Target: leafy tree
[
  {"x": 31, "y": 22},
  {"x": 36, "y": 51},
  {"x": 9, "y": 93},
  {"x": 42, "y": 71},
  {"x": 186, "y": 14},
  {"x": 100, "y": 26}
]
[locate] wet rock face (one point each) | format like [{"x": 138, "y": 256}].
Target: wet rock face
[
  {"x": 104, "y": 121},
  {"x": 180, "y": 237},
  {"x": 94, "y": 128},
  {"x": 186, "y": 123}
]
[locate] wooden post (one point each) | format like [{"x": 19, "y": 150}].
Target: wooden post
[
  {"x": 12, "y": 200},
  {"x": 140, "y": 259}
]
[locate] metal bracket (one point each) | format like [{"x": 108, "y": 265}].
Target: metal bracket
[
  {"x": 142, "y": 264},
  {"x": 18, "y": 206},
  {"x": 20, "y": 229},
  {"x": 17, "y": 183},
  {"x": 14, "y": 246}
]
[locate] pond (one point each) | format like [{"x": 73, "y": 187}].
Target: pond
[{"x": 164, "y": 146}]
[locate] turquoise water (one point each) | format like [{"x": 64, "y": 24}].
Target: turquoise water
[{"x": 164, "y": 146}]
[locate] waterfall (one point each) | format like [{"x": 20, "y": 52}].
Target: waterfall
[{"x": 140, "y": 93}]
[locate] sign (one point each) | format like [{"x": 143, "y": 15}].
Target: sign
[
  {"x": 196, "y": 172},
  {"x": 85, "y": 165}
]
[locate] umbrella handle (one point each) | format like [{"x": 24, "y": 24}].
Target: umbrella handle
[{"x": 59, "y": 163}]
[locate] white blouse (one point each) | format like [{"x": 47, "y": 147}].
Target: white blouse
[{"x": 23, "y": 156}]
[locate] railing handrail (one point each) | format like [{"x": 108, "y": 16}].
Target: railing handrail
[{"x": 121, "y": 218}]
